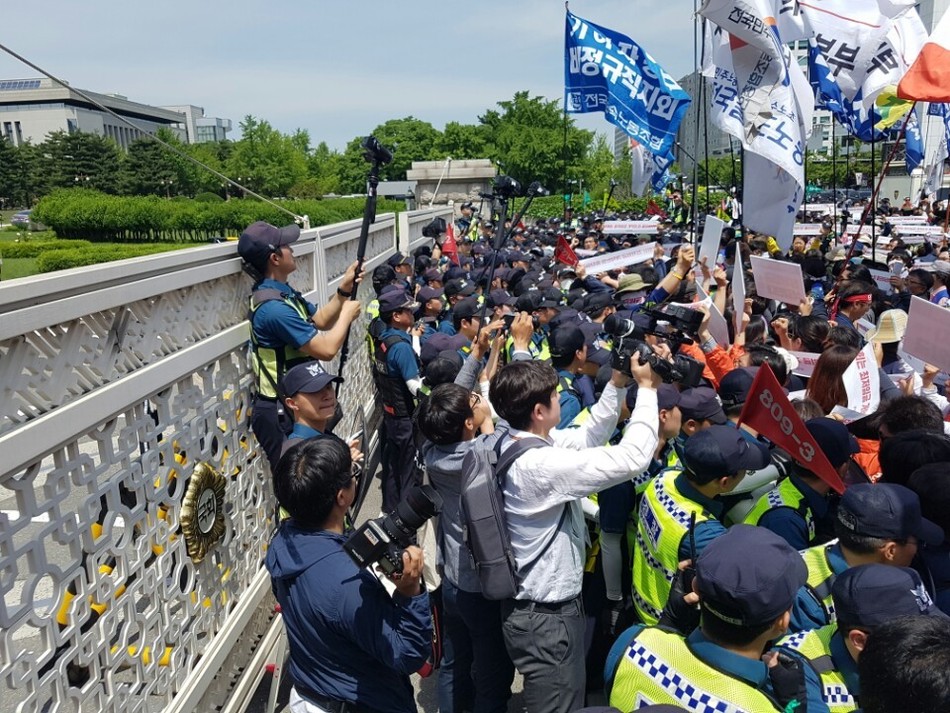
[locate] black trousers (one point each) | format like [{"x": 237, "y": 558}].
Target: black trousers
[
  {"x": 271, "y": 425},
  {"x": 399, "y": 460}
]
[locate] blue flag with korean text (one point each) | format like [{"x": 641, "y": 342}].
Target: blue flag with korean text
[{"x": 607, "y": 71}]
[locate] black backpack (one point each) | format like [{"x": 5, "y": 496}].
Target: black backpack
[{"x": 484, "y": 524}]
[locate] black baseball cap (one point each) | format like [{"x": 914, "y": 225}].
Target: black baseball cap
[
  {"x": 308, "y": 378},
  {"x": 887, "y": 511},
  {"x": 393, "y": 300},
  {"x": 429, "y": 293},
  {"x": 565, "y": 340},
  {"x": 458, "y": 286},
  {"x": 440, "y": 342},
  {"x": 667, "y": 397},
  {"x": 500, "y": 297},
  {"x": 260, "y": 240},
  {"x": 735, "y": 386},
  {"x": 702, "y": 404},
  {"x": 466, "y": 308},
  {"x": 873, "y": 594},
  {"x": 719, "y": 451},
  {"x": 398, "y": 259},
  {"x": 749, "y": 576},
  {"x": 597, "y": 301},
  {"x": 834, "y": 439}
]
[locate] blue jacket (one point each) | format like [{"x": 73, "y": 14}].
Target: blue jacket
[{"x": 349, "y": 640}]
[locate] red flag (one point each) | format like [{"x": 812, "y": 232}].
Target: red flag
[
  {"x": 928, "y": 78},
  {"x": 449, "y": 246},
  {"x": 768, "y": 411},
  {"x": 564, "y": 253},
  {"x": 654, "y": 209}
]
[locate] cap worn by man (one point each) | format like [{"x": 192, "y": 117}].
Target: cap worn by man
[
  {"x": 497, "y": 298},
  {"x": 307, "y": 378},
  {"x": 394, "y": 300},
  {"x": 667, "y": 397},
  {"x": 565, "y": 341},
  {"x": 459, "y": 286},
  {"x": 834, "y": 439},
  {"x": 702, "y": 404},
  {"x": 735, "y": 386},
  {"x": 872, "y": 594},
  {"x": 260, "y": 240},
  {"x": 440, "y": 342},
  {"x": 398, "y": 259},
  {"x": 429, "y": 293},
  {"x": 631, "y": 283},
  {"x": 887, "y": 511},
  {"x": 466, "y": 309},
  {"x": 719, "y": 451}
]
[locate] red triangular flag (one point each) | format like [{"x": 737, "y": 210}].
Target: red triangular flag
[
  {"x": 768, "y": 411},
  {"x": 449, "y": 246},
  {"x": 927, "y": 78},
  {"x": 564, "y": 253},
  {"x": 654, "y": 209}
]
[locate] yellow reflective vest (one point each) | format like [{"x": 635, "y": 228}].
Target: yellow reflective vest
[
  {"x": 269, "y": 363},
  {"x": 658, "y": 667},
  {"x": 783, "y": 495},
  {"x": 663, "y": 523},
  {"x": 815, "y": 645}
]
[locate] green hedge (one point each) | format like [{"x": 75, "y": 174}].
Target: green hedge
[
  {"x": 80, "y": 213},
  {"x": 34, "y": 248},
  {"x": 553, "y": 206},
  {"x": 92, "y": 255}
]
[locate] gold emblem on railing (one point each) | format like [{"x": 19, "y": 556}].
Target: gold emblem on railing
[{"x": 202, "y": 511}]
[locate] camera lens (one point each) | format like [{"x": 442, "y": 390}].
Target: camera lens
[{"x": 420, "y": 503}]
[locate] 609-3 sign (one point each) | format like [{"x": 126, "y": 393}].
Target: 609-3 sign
[{"x": 806, "y": 451}]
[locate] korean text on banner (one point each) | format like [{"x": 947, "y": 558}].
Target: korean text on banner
[
  {"x": 862, "y": 382},
  {"x": 882, "y": 280},
  {"x": 778, "y": 280},
  {"x": 768, "y": 411},
  {"x": 926, "y": 336},
  {"x": 633, "y": 227},
  {"x": 611, "y": 261},
  {"x": 806, "y": 363},
  {"x": 607, "y": 71}
]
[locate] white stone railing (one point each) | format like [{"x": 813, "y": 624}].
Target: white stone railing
[{"x": 115, "y": 382}]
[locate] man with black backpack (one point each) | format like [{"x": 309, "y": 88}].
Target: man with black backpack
[{"x": 543, "y": 622}]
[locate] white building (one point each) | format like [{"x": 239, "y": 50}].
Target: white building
[
  {"x": 202, "y": 129},
  {"x": 31, "y": 109}
]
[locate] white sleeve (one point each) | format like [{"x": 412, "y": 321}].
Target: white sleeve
[{"x": 598, "y": 429}]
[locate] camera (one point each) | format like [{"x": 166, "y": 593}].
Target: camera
[
  {"x": 509, "y": 318},
  {"x": 375, "y": 152},
  {"x": 506, "y": 187},
  {"x": 677, "y": 325},
  {"x": 385, "y": 538}
]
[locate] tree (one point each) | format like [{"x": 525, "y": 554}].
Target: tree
[
  {"x": 409, "y": 139},
  {"x": 323, "y": 167},
  {"x": 150, "y": 169},
  {"x": 82, "y": 160},
  {"x": 463, "y": 141},
  {"x": 269, "y": 162},
  {"x": 528, "y": 138},
  {"x": 11, "y": 184}
]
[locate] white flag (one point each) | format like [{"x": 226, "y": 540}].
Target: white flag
[
  {"x": 771, "y": 198},
  {"x": 640, "y": 174}
]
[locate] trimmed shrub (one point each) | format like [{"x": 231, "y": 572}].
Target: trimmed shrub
[
  {"x": 81, "y": 213},
  {"x": 93, "y": 255},
  {"x": 34, "y": 248},
  {"x": 208, "y": 197}
]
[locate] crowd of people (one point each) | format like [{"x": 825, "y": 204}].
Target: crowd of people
[{"x": 666, "y": 552}]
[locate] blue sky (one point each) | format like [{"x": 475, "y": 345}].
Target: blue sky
[{"x": 336, "y": 69}]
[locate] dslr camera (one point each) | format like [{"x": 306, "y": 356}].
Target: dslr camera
[
  {"x": 676, "y": 325},
  {"x": 385, "y": 538}
]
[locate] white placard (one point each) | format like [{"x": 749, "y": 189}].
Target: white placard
[
  {"x": 778, "y": 280},
  {"x": 882, "y": 279},
  {"x": 847, "y": 414},
  {"x": 862, "y": 382},
  {"x": 800, "y": 395},
  {"x": 820, "y": 208},
  {"x": 930, "y": 230},
  {"x": 806, "y": 363},
  {"x": 907, "y": 220},
  {"x": 864, "y": 326},
  {"x": 738, "y": 292},
  {"x": 621, "y": 258},
  {"x": 926, "y": 337},
  {"x": 709, "y": 248},
  {"x": 621, "y": 227},
  {"x": 807, "y": 229},
  {"x": 718, "y": 327}
]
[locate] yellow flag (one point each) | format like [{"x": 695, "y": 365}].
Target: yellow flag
[{"x": 890, "y": 107}]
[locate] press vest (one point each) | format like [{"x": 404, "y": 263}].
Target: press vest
[
  {"x": 393, "y": 392},
  {"x": 271, "y": 363},
  {"x": 784, "y": 495},
  {"x": 821, "y": 576},
  {"x": 658, "y": 667},
  {"x": 663, "y": 523},
  {"x": 815, "y": 645}
]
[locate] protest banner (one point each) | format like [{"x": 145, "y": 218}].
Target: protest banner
[
  {"x": 920, "y": 229},
  {"x": 633, "y": 227},
  {"x": 621, "y": 258},
  {"x": 882, "y": 279},
  {"x": 738, "y": 291},
  {"x": 862, "y": 382},
  {"x": 818, "y": 208},
  {"x": 709, "y": 247},
  {"x": 907, "y": 220},
  {"x": 806, "y": 362},
  {"x": 806, "y": 229},
  {"x": 768, "y": 411},
  {"x": 926, "y": 337},
  {"x": 778, "y": 280}
]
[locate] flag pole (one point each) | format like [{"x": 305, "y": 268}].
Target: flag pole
[
  {"x": 695, "y": 198},
  {"x": 877, "y": 188},
  {"x": 564, "y": 147},
  {"x": 834, "y": 179},
  {"x": 873, "y": 222}
]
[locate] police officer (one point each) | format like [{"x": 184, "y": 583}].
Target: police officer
[
  {"x": 397, "y": 376},
  {"x": 285, "y": 326},
  {"x": 879, "y": 523},
  {"x": 865, "y": 597},
  {"x": 568, "y": 354},
  {"x": 797, "y": 507},
  {"x": 310, "y": 397},
  {"x": 746, "y": 581},
  {"x": 715, "y": 461}
]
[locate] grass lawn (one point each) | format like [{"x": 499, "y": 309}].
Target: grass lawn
[{"x": 24, "y": 267}]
